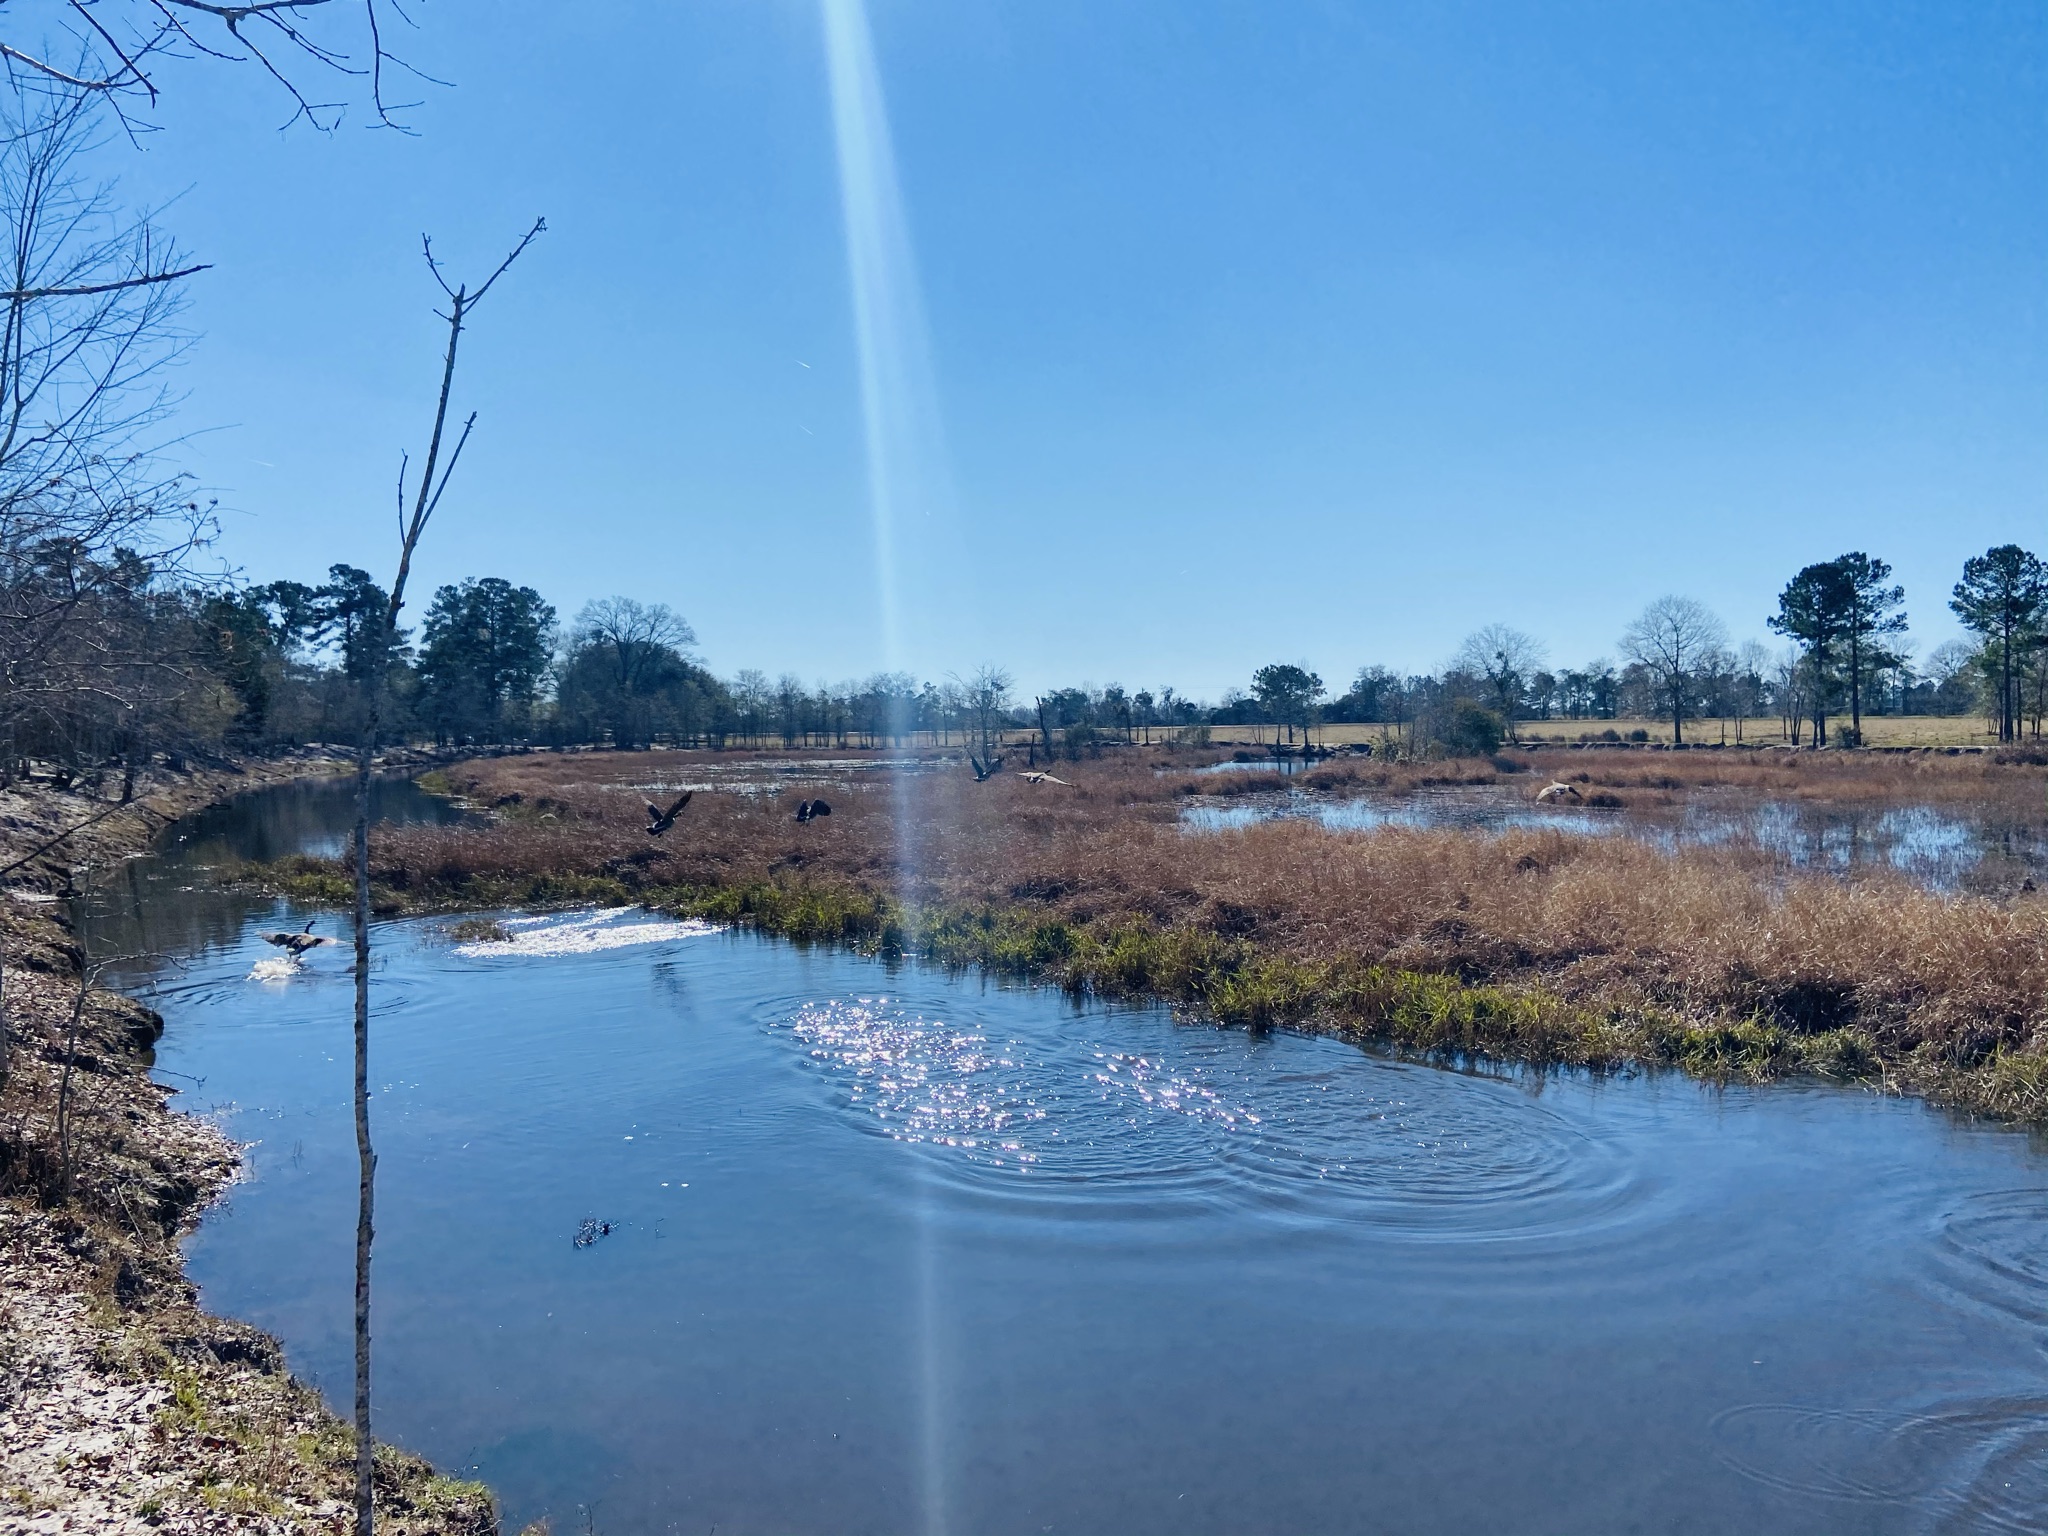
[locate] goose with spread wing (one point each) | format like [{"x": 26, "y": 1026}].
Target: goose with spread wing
[
  {"x": 298, "y": 943},
  {"x": 659, "y": 821}
]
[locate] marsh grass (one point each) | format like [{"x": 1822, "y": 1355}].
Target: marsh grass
[{"x": 1532, "y": 944}]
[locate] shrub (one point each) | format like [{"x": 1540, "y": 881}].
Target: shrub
[{"x": 1469, "y": 730}]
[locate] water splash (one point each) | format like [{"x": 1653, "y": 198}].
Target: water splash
[{"x": 583, "y": 933}]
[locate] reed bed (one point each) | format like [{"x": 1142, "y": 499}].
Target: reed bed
[{"x": 1534, "y": 944}]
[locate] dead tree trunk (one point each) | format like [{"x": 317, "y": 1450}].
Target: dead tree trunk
[{"x": 411, "y": 525}]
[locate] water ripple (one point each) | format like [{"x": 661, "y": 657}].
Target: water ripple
[
  {"x": 1975, "y": 1464},
  {"x": 1994, "y": 1251},
  {"x": 1206, "y": 1116}
]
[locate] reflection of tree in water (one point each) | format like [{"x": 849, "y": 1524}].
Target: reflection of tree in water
[{"x": 170, "y": 903}]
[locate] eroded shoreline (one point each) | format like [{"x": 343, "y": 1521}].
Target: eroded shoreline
[{"x": 124, "y": 1407}]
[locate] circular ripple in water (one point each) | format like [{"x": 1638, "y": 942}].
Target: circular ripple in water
[
  {"x": 1284, "y": 1126},
  {"x": 1994, "y": 1250},
  {"x": 1976, "y": 1465}
]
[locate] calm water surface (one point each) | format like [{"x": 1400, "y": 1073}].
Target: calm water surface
[
  {"x": 1942, "y": 847},
  {"x": 894, "y": 1252}
]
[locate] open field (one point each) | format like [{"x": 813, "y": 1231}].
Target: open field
[
  {"x": 1878, "y": 731},
  {"x": 1534, "y": 943}
]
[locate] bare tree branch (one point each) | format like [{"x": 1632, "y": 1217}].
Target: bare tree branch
[
  {"x": 82, "y": 290},
  {"x": 122, "y": 44}
]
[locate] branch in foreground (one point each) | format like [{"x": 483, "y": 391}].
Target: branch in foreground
[{"x": 14, "y": 295}]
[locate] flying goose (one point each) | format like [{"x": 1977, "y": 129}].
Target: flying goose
[
  {"x": 659, "y": 821},
  {"x": 809, "y": 809},
  {"x": 1042, "y": 778},
  {"x": 984, "y": 771},
  {"x": 1557, "y": 789},
  {"x": 298, "y": 943}
]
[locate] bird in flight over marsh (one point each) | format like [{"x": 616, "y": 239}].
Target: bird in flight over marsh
[{"x": 659, "y": 821}]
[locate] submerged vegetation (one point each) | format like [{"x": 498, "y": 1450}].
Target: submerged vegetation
[{"x": 1537, "y": 944}]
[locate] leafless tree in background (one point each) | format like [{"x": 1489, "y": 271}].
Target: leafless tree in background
[
  {"x": 1675, "y": 639},
  {"x": 988, "y": 701},
  {"x": 426, "y": 497},
  {"x": 91, "y": 525},
  {"x": 1507, "y": 659},
  {"x": 118, "y": 46},
  {"x": 634, "y": 635}
]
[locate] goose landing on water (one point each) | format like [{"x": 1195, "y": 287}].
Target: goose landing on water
[
  {"x": 659, "y": 821},
  {"x": 298, "y": 943}
]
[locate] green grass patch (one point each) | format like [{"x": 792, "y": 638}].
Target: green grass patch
[{"x": 1232, "y": 980}]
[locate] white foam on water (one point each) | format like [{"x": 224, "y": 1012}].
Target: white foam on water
[
  {"x": 583, "y": 933},
  {"x": 280, "y": 969}
]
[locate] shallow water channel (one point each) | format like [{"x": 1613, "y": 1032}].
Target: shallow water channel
[
  {"x": 1946, "y": 848},
  {"x": 892, "y": 1251}
]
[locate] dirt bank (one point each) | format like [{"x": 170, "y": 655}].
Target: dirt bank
[{"x": 123, "y": 1406}]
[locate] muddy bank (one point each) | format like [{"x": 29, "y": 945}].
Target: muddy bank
[{"x": 123, "y": 1406}]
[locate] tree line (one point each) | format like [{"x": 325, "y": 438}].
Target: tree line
[{"x": 124, "y": 660}]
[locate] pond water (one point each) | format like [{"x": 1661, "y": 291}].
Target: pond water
[
  {"x": 893, "y": 1251},
  {"x": 1944, "y": 848}
]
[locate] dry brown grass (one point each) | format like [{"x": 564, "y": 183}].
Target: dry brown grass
[{"x": 1937, "y": 984}]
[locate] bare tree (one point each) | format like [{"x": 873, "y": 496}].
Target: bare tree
[
  {"x": 119, "y": 46},
  {"x": 1752, "y": 667},
  {"x": 1507, "y": 659},
  {"x": 426, "y": 497},
  {"x": 88, "y": 520},
  {"x": 1675, "y": 640},
  {"x": 634, "y": 635},
  {"x": 987, "y": 694}
]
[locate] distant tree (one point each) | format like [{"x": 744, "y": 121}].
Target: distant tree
[
  {"x": 485, "y": 646},
  {"x": 1815, "y": 610},
  {"x": 1457, "y": 727},
  {"x": 1287, "y": 696},
  {"x": 628, "y": 674},
  {"x": 1749, "y": 683},
  {"x": 1947, "y": 682},
  {"x": 241, "y": 648},
  {"x": 987, "y": 693},
  {"x": 1675, "y": 641},
  {"x": 1507, "y": 659},
  {"x": 349, "y": 612},
  {"x": 1872, "y": 613},
  {"x": 1374, "y": 696},
  {"x": 2002, "y": 597},
  {"x": 1115, "y": 711},
  {"x": 1144, "y": 713}
]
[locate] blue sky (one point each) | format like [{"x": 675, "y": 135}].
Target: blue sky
[{"x": 1320, "y": 332}]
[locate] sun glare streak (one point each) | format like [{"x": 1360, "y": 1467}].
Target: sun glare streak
[
  {"x": 905, "y": 460},
  {"x": 897, "y": 409}
]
